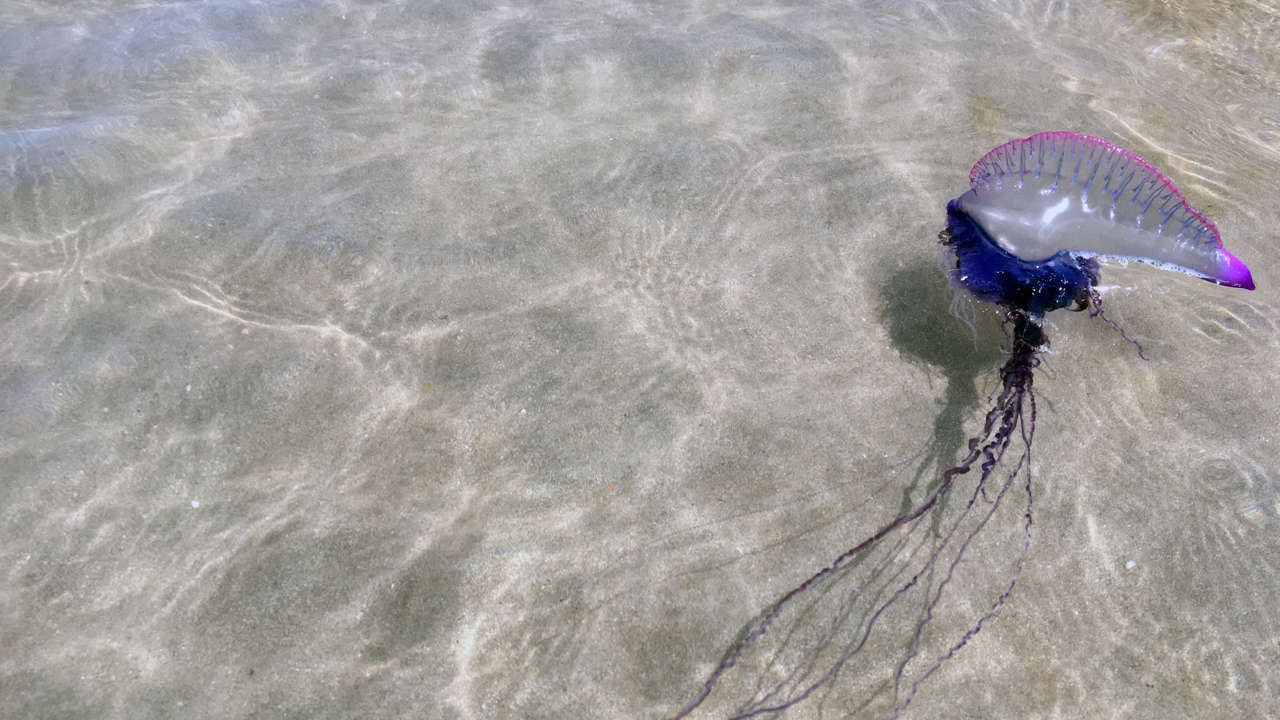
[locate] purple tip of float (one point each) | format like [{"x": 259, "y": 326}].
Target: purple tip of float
[
  {"x": 1235, "y": 273},
  {"x": 1061, "y": 191}
]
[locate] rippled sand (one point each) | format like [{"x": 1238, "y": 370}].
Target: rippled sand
[{"x": 458, "y": 360}]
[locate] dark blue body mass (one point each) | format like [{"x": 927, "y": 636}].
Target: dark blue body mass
[{"x": 997, "y": 276}]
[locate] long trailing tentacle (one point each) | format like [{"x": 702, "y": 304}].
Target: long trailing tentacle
[
  {"x": 1012, "y": 414},
  {"x": 1024, "y": 419}
]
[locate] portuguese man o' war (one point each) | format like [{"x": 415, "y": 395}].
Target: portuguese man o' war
[
  {"x": 1040, "y": 209},
  {"x": 1027, "y": 238}
]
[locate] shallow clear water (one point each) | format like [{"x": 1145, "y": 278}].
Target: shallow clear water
[{"x": 462, "y": 360}]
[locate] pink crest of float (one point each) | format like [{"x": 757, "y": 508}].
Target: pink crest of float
[{"x": 1063, "y": 191}]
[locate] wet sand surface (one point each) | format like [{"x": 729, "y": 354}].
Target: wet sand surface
[{"x": 463, "y": 360}]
